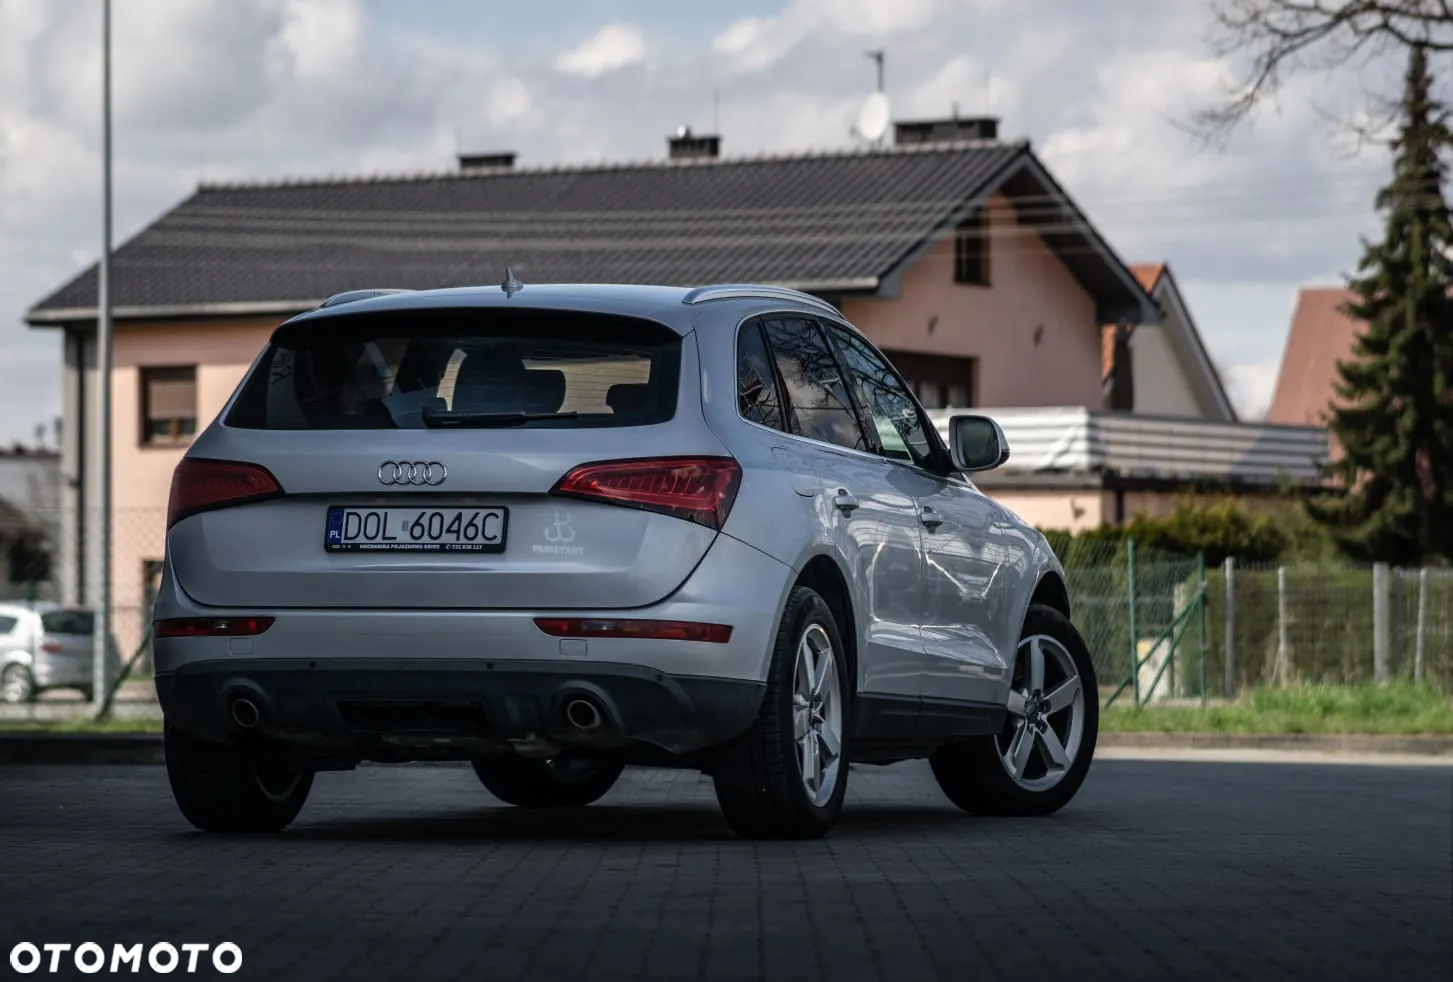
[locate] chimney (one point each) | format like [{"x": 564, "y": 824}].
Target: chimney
[
  {"x": 486, "y": 163},
  {"x": 687, "y": 146},
  {"x": 948, "y": 130}
]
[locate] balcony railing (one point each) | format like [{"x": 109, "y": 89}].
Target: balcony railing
[{"x": 1075, "y": 440}]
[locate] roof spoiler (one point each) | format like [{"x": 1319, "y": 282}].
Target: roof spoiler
[{"x": 351, "y": 295}]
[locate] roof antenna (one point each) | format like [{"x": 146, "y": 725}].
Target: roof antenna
[
  {"x": 875, "y": 115},
  {"x": 511, "y": 286}
]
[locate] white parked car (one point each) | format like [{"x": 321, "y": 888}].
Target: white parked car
[
  {"x": 558, "y": 530},
  {"x": 46, "y": 646}
]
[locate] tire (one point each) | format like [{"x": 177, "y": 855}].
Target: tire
[
  {"x": 570, "y": 782},
  {"x": 221, "y": 788},
  {"x": 976, "y": 777},
  {"x": 759, "y": 775},
  {"x": 17, "y": 685}
]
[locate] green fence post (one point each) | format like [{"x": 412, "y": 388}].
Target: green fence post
[
  {"x": 1134, "y": 627},
  {"x": 1201, "y": 578}
]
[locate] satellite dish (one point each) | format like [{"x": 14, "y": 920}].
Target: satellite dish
[{"x": 873, "y": 117}]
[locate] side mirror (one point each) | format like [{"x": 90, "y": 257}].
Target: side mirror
[{"x": 976, "y": 443}]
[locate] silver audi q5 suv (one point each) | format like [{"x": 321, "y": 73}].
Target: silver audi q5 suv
[{"x": 558, "y": 530}]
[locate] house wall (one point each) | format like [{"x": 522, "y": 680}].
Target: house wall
[
  {"x": 141, "y": 475},
  {"x": 1029, "y": 288},
  {"x": 1161, "y": 384},
  {"x": 1071, "y": 509}
]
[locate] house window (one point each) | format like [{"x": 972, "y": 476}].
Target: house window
[
  {"x": 939, "y": 381},
  {"x": 971, "y": 250},
  {"x": 168, "y": 404}
]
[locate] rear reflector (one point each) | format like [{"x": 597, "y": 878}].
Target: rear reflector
[
  {"x": 212, "y": 627},
  {"x": 699, "y": 489},
  {"x": 199, "y": 485},
  {"x": 561, "y": 627}
]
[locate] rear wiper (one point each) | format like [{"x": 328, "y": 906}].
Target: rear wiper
[{"x": 445, "y": 418}]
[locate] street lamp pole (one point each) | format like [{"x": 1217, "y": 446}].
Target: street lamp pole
[{"x": 102, "y": 625}]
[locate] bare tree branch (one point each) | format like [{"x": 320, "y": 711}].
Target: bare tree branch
[{"x": 1279, "y": 38}]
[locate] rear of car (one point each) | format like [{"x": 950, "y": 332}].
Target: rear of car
[
  {"x": 46, "y": 647},
  {"x": 422, "y": 532}
]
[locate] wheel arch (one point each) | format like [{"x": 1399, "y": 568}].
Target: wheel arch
[
  {"x": 822, "y": 574},
  {"x": 1051, "y": 591}
]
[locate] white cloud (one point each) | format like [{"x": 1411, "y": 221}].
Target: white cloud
[
  {"x": 214, "y": 89},
  {"x": 1250, "y": 387},
  {"x": 609, "y": 49}
]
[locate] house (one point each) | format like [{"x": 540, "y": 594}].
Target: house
[
  {"x": 1171, "y": 371},
  {"x": 956, "y": 252},
  {"x": 1321, "y": 335}
]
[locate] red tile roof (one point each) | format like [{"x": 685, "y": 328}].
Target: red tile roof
[
  {"x": 1320, "y": 336},
  {"x": 1148, "y": 274}
]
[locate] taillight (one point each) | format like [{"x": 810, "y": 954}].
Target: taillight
[
  {"x": 51, "y": 647},
  {"x": 569, "y": 627},
  {"x": 198, "y": 485},
  {"x": 699, "y": 489},
  {"x": 211, "y": 627}
]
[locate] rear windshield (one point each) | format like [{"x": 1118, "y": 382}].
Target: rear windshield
[
  {"x": 463, "y": 368},
  {"x": 68, "y": 622}
]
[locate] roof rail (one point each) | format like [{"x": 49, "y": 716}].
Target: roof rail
[
  {"x": 752, "y": 291},
  {"x": 351, "y": 295}
]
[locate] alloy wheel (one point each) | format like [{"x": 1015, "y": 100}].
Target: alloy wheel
[
  {"x": 1046, "y": 723},
  {"x": 817, "y": 719}
]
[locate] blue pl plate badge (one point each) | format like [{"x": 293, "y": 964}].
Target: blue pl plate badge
[{"x": 335, "y": 526}]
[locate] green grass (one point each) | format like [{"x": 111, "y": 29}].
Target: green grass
[
  {"x": 80, "y": 725},
  {"x": 1395, "y": 708}
]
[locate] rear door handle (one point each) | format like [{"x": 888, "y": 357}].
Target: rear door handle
[
  {"x": 845, "y": 501},
  {"x": 930, "y": 518}
]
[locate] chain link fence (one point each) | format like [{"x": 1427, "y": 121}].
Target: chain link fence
[
  {"x": 1156, "y": 622},
  {"x": 46, "y": 560}
]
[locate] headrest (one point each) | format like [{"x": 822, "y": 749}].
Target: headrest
[
  {"x": 631, "y": 399},
  {"x": 491, "y": 383}
]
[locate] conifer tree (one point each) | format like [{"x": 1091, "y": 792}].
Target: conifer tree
[{"x": 1393, "y": 421}]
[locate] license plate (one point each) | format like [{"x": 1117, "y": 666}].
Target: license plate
[{"x": 416, "y": 529}]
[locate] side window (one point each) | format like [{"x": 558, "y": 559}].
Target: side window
[
  {"x": 815, "y": 390},
  {"x": 883, "y": 397},
  {"x": 7, "y": 624},
  {"x": 756, "y": 387}
]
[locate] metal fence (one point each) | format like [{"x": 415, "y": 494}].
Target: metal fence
[
  {"x": 1159, "y": 624},
  {"x": 45, "y": 558},
  {"x": 1214, "y": 633}
]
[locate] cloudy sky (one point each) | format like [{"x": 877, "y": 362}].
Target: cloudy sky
[{"x": 211, "y": 89}]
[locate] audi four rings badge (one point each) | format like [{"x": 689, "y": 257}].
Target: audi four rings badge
[{"x": 415, "y": 472}]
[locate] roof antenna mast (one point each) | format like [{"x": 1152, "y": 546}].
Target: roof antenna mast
[
  {"x": 874, "y": 116},
  {"x": 877, "y": 56},
  {"x": 511, "y": 286}
]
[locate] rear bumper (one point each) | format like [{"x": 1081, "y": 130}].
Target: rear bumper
[
  {"x": 417, "y": 708},
  {"x": 494, "y": 672}
]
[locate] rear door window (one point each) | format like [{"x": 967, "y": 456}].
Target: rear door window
[
  {"x": 414, "y": 370},
  {"x": 816, "y": 393},
  {"x": 68, "y": 622},
  {"x": 7, "y": 624}
]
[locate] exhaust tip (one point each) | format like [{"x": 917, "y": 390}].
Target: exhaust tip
[
  {"x": 245, "y": 713},
  {"x": 583, "y": 714}
]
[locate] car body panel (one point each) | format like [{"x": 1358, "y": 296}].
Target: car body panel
[{"x": 936, "y": 610}]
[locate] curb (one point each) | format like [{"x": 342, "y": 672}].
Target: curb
[
  {"x": 1436, "y": 745},
  {"x": 80, "y": 748},
  {"x": 145, "y": 748}
]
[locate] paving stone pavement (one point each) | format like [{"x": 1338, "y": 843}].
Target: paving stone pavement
[{"x": 1159, "y": 870}]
